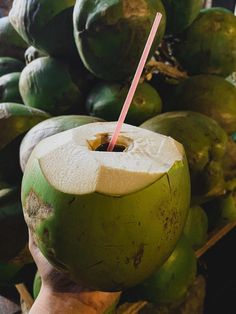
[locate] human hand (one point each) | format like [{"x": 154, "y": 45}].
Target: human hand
[{"x": 59, "y": 294}]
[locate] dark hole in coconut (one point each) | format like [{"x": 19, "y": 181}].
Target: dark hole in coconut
[{"x": 103, "y": 148}]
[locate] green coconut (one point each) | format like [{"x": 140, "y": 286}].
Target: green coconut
[
  {"x": 32, "y": 54},
  {"x": 9, "y": 65},
  {"x": 221, "y": 211},
  {"x": 205, "y": 144},
  {"x": 45, "y": 24},
  {"x": 37, "y": 285},
  {"x": 11, "y": 44},
  {"x": 229, "y": 163},
  {"x": 48, "y": 128},
  {"x": 111, "y": 35},
  {"x": 210, "y": 95},
  {"x": 196, "y": 227},
  {"x": 106, "y": 101},
  {"x": 181, "y": 13},
  {"x": 169, "y": 285},
  {"x": 13, "y": 229},
  {"x": 107, "y": 220},
  {"x": 227, "y": 207},
  {"x": 208, "y": 46},
  {"x": 48, "y": 84},
  {"x": 9, "y": 88},
  {"x": 15, "y": 121}
]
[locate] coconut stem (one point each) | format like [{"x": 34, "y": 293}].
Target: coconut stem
[
  {"x": 165, "y": 69},
  {"x": 25, "y": 295}
]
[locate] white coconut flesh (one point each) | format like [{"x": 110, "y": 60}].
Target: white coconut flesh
[{"x": 70, "y": 163}]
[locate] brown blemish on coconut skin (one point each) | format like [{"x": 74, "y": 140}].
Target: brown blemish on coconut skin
[
  {"x": 137, "y": 259},
  {"x": 35, "y": 210},
  {"x": 132, "y": 8}
]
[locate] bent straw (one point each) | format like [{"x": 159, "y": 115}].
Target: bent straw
[{"x": 135, "y": 82}]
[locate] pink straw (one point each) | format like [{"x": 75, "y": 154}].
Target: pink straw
[{"x": 135, "y": 82}]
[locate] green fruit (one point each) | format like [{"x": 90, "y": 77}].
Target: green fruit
[
  {"x": 111, "y": 35},
  {"x": 221, "y": 211},
  {"x": 45, "y": 24},
  {"x": 48, "y": 128},
  {"x": 205, "y": 145},
  {"x": 11, "y": 44},
  {"x": 115, "y": 236},
  {"x": 15, "y": 121},
  {"x": 196, "y": 227},
  {"x": 229, "y": 163},
  {"x": 32, "y": 54},
  {"x": 13, "y": 229},
  {"x": 209, "y": 46},
  {"x": 47, "y": 84},
  {"x": 9, "y": 65},
  {"x": 227, "y": 206},
  {"x": 181, "y": 13},
  {"x": 9, "y": 88},
  {"x": 170, "y": 284},
  {"x": 210, "y": 95},
  {"x": 106, "y": 101},
  {"x": 37, "y": 285}
]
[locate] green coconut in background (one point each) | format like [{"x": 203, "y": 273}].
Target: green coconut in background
[
  {"x": 205, "y": 145},
  {"x": 48, "y": 128},
  {"x": 229, "y": 163},
  {"x": 32, "y": 54},
  {"x": 11, "y": 43},
  {"x": 221, "y": 211},
  {"x": 37, "y": 285},
  {"x": 45, "y": 24},
  {"x": 15, "y": 121},
  {"x": 169, "y": 285},
  {"x": 9, "y": 88},
  {"x": 10, "y": 65},
  {"x": 106, "y": 234},
  {"x": 111, "y": 35},
  {"x": 181, "y": 13},
  {"x": 208, "y": 46},
  {"x": 210, "y": 95},
  {"x": 196, "y": 227},
  {"x": 106, "y": 101},
  {"x": 13, "y": 230},
  {"x": 48, "y": 84}
]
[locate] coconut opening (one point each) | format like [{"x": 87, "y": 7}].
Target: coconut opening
[
  {"x": 75, "y": 162},
  {"x": 104, "y": 147},
  {"x": 101, "y": 143}
]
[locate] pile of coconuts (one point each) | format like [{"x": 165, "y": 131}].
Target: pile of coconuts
[{"x": 128, "y": 220}]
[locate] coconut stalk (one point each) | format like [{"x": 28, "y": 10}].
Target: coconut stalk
[{"x": 25, "y": 296}]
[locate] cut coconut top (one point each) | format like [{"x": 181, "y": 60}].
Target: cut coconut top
[{"x": 70, "y": 163}]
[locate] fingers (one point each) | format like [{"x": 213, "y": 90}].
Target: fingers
[{"x": 43, "y": 265}]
